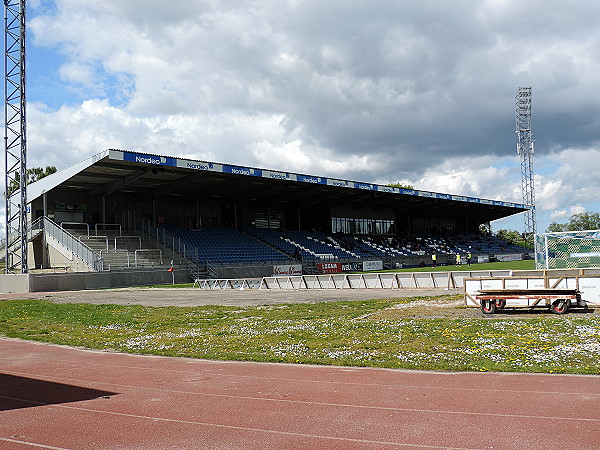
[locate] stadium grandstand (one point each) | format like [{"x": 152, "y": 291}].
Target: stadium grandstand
[{"x": 126, "y": 211}]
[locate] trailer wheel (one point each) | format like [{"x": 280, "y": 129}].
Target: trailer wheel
[
  {"x": 500, "y": 303},
  {"x": 488, "y": 306},
  {"x": 560, "y": 307}
]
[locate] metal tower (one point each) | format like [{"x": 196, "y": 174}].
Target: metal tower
[
  {"x": 15, "y": 147},
  {"x": 525, "y": 151}
]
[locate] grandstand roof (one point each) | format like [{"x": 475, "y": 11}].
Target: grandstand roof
[{"x": 114, "y": 171}]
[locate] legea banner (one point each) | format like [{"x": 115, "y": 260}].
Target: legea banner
[{"x": 329, "y": 267}]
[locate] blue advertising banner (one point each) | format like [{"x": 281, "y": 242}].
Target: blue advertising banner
[
  {"x": 149, "y": 159},
  {"x": 287, "y": 176},
  {"x": 365, "y": 186},
  {"x": 314, "y": 180},
  {"x": 242, "y": 171}
]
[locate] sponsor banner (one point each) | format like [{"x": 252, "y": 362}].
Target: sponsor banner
[
  {"x": 329, "y": 267},
  {"x": 372, "y": 265},
  {"x": 242, "y": 170},
  {"x": 408, "y": 192},
  {"x": 443, "y": 196},
  {"x": 584, "y": 255},
  {"x": 149, "y": 159},
  {"x": 425, "y": 194},
  {"x": 352, "y": 267},
  {"x": 485, "y": 202},
  {"x": 472, "y": 200},
  {"x": 287, "y": 269},
  {"x": 278, "y": 175},
  {"x": 367, "y": 187},
  {"x": 338, "y": 183},
  {"x": 388, "y": 189},
  {"x": 517, "y": 257},
  {"x": 313, "y": 180},
  {"x": 483, "y": 258},
  {"x": 459, "y": 198},
  {"x": 199, "y": 165}
]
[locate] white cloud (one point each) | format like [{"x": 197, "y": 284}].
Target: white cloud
[{"x": 393, "y": 92}]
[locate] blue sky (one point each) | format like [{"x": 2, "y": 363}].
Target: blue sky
[{"x": 378, "y": 91}]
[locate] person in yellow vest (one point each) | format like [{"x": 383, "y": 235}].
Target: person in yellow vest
[
  {"x": 458, "y": 259},
  {"x": 434, "y": 259},
  {"x": 469, "y": 257}
]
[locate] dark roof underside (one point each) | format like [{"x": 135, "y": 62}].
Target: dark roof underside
[{"x": 107, "y": 176}]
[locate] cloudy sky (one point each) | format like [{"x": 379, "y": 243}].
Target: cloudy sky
[{"x": 369, "y": 90}]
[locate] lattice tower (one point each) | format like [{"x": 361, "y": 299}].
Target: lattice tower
[
  {"x": 525, "y": 151},
  {"x": 15, "y": 143}
]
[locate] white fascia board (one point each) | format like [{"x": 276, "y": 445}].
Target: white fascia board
[{"x": 37, "y": 188}]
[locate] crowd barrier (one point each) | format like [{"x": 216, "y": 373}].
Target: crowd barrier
[{"x": 398, "y": 280}]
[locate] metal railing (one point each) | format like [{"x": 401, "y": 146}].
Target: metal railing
[
  {"x": 138, "y": 239},
  {"x": 95, "y": 238},
  {"x": 68, "y": 241},
  {"x": 394, "y": 280},
  {"x": 104, "y": 263},
  {"x": 148, "y": 251}
]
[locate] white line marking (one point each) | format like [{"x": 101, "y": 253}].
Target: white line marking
[{"x": 32, "y": 444}]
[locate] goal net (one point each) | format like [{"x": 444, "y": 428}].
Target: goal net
[{"x": 568, "y": 250}]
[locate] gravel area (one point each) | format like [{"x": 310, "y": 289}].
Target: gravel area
[
  {"x": 247, "y": 297},
  {"x": 435, "y": 302}
]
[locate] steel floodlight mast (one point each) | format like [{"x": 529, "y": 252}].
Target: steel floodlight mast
[
  {"x": 525, "y": 151},
  {"x": 15, "y": 142}
]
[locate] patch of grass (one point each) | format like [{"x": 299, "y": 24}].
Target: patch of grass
[
  {"x": 502, "y": 265},
  {"x": 359, "y": 333}
]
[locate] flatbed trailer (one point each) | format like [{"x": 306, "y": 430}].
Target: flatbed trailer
[
  {"x": 557, "y": 291},
  {"x": 558, "y": 300}
]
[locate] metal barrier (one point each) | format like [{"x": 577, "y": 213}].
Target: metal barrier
[
  {"x": 138, "y": 239},
  {"x": 149, "y": 250},
  {"x": 67, "y": 240},
  {"x": 388, "y": 280},
  {"x": 95, "y": 238},
  {"x": 217, "y": 284}
]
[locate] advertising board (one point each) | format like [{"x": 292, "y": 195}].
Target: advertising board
[
  {"x": 287, "y": 269},
  {"x": 517, "y": 257},
  {"x": 372, "y": 265},
  {"x": 352, "y": 267},
  {"x": 329, "y": 267}
]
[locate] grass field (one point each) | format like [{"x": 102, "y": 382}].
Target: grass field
[
  {"x": 361, "y": 333},
  {"x": 504, "y": 265}
]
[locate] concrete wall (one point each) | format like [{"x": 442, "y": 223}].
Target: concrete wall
[
  {"x": 38, "y": 282},
  {"x": 10, "y": 284},
  {"x": 245, "y": 272}
]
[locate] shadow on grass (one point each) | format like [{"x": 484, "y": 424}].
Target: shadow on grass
[{"x": 517, "y": 312}]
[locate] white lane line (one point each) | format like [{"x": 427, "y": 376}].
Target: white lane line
[
  {"x": 31, "y": 444},
  {"x": 260, "y": 430},
  {"x": 331, "y": 405},
  {"x": 345, "y": 383}
]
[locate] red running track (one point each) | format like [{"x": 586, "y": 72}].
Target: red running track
[{"x": 55, "y": 397}]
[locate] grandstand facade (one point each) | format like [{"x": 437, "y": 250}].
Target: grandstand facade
[{"x": 122, "y": 210}]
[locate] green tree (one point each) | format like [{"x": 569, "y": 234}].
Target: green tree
[
  {"x": 514, "y": 237},
  {"x": 577, "y": 222},
  {"x": 485, "y": 229},
  {"x": 401, "y": 186},
  {"x": 555, "y": 227},
  {"x": 33, "y": 174}
]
